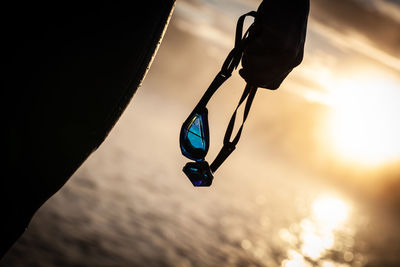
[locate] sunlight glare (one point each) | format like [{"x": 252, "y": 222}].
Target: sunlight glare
[
  {"x": 330, "y": 211},
  {"x": 316, "y": 235},
  {"x": 295, "y": 259},
  {"x": 328, "y": 214},
  {"x": 365, "y": 127}
]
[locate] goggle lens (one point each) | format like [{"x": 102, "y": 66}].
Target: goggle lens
[
  {"x": 199, "y": 173},
  {"x": 194, "y": 139}
]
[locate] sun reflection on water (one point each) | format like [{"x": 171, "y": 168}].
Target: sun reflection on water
[{"x": 318, "y": 234}]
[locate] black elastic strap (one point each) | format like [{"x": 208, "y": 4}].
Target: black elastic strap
[
  {"x": 229, "y": 146},
  {"x": 216, "y": 83},
  {"x": 231, "y": 62}
]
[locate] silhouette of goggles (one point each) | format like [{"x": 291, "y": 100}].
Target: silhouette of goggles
[
  {"x": 195, "y": 141},
  {"x": 194, "y": 136}
]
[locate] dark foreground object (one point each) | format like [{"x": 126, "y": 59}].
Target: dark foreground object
[{"x": 71, "y": 69}]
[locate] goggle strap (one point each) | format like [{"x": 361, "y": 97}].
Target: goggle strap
[
  {"x": 229, "y": 146},
  {"x": 239, "y": 28},
  {"x": 215, "y": 84},
  {"x": 223, "y": 154},
  {"x": 231, "y": 62},
  {"x": 249, "y": 102}
]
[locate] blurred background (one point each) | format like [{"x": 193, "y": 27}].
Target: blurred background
[{"x": 314, "y": 181}]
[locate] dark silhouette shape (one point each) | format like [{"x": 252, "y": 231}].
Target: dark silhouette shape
[
  {"x": 194, "y": 135},
  {"x": 272, "y": 46},
  {"x": 70, "y": 69},
  {"x": 276, "y": 42}
]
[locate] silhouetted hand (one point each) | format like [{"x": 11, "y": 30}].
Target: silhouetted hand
[{"x": 276, "y": 42}]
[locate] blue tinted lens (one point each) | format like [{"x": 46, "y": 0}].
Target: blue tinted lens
[
  {"x": 194, "y": 138},
  {"x": 198, "y": 173}
]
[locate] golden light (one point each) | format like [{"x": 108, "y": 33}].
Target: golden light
[
  {"x": 328, "y": 214},
  {"x": 295, "y": 259},
  {"x": 365, "y": 126},
  {"x": 330, "y": 211},
  {"x": 328, "y": 217}
]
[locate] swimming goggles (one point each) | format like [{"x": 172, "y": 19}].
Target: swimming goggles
[{"x": 194, "y": 136}]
